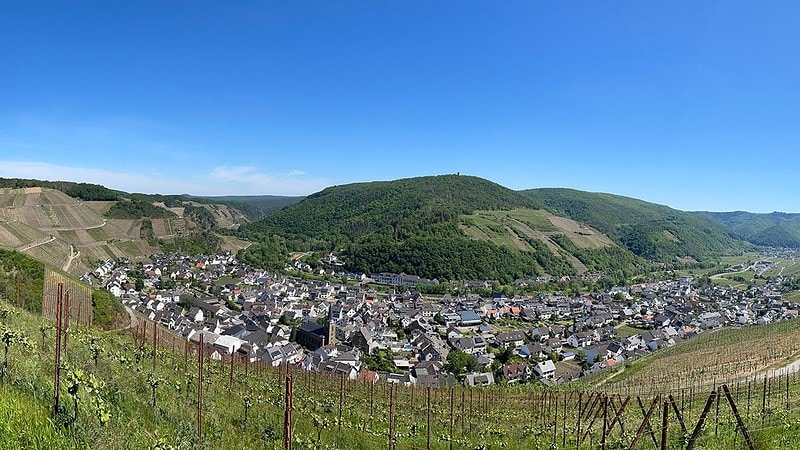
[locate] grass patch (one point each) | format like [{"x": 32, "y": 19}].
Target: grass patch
[
  {"x": 627, "y": 331},
  {"x": 226, "y": 280}
]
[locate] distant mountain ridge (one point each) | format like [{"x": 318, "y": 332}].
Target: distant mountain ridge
[{"x": 775, "y": 229}]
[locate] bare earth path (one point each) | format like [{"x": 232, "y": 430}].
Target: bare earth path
[
  {"x": 72, "y": 255},
  {"x": 36, "y": 244}
]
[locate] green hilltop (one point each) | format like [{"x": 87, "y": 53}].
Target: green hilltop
[
  {"x": 409, "y": 225},
  {"x": 446, "y": 227}
]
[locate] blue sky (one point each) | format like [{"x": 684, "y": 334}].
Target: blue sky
[{"x": 691, "y": 104}]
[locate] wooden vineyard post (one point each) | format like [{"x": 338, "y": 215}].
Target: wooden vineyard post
[
  {"x": 287, "y": 418},
  {"x": 678, "y": 414},
  {"x": 764, "y": 401},
  {"x": 748, "y": 397},
  {"x": 555, "y": 421},
  {"x": 605, "y": 423},
  {"x": 470, "y": 409},
  {"x": 65, "y": 324},
  {"x": 664, "y": 424},
  {"x": 564, "y": 423},
  {"x": 391, "y": 417},
  {"x": 451, "y": 418},
  {"x": 618, "y": 416},
  {"x": 230, "y": 378},
  {"x": 56, "y": 370},
  {"x": 463, "y": 415},
  {"x": 429, "y": 416},
  {"x": 155, "y": 343},
  {"x": 716, "y": 417},
  {"x": 699, "y": 426},
  {"x": 739, "y": 421},
  {"x": 341, "y": 400},
  {"x": 200, "y": 392},
  {"x": 578, "y": 426},
  {"x": 646, "y": 422}
]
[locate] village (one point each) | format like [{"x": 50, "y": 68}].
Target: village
[{"x": 399, "y": 335}]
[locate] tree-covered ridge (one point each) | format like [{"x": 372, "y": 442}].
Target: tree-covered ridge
[
  {"x": 773, "y": 230},
  {"x": 400, "y": 208},
  {"x": 82, "y": 191},
  {"x": 652, "y": 231},
  {"x": 137, "y": 209},
  {"x": 409, "y": 225}
]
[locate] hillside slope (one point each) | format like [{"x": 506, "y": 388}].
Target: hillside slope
[
  {"x": 447, "y": 227},
  {"x": 772, "y": 230},
  {"x": 655, "y": 232},
  {"x": 408, "y": 225}
]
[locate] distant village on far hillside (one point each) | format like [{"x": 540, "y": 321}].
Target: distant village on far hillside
[{"x": 401, "y": 336}]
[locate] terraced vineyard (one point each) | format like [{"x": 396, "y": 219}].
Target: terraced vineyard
[
  {"x": 53, "y": 227},
  {"x": 512, "y": 228},
  {"x": 516, "y": 228}
]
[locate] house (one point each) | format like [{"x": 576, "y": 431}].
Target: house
[
  {"x": 292, "y": 353},
  {"x": 580, "y": 340},
  {"x": 515, "y": 339},
  {"x": 196, "y": 314},
  {"x": 546, "y": 370},
  {"x": 479, "y": 379},
  {"x": 515, "y": 373},
  {"x": 473, "y": 346},
  {"x": 432, "y": 352},
  {"x": 273, "y": 356},
  {"x": 468, "y": 318},
  {"x": 228, "y": 344},
  {"x": 362, "y": 340},
  {"x": 531, "y": 351}
]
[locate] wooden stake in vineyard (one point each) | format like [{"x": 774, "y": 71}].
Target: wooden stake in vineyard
[
  {"x": 200, "y": 392},
  {"x": 429, "y": 415},
  {"x": 391, "y": 417},
  {"x": 155, "y": 344},
  {"x": 65, "y": 325},
  {"x": 287, "y": 419},
  {"x": 56, "y": 370}
]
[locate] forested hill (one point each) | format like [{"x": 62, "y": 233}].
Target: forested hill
[
  {"x": 655, "y": 232},
  {"x": 400, "y": 208},
  {"x": 408, "y": 225},
  {"x": 773, "y": 230}
]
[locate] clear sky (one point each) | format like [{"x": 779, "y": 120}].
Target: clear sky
[{"x": 691, "y": 104}]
